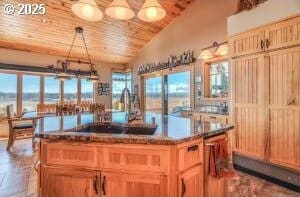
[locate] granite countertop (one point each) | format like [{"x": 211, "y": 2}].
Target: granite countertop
[{"x": 169, "y": 129}]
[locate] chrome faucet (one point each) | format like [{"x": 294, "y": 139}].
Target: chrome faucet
[{"x": 123, "y": 99}]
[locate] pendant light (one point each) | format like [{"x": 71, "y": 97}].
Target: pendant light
[
  {"x": 119, "y": 9},
  {"x": 151, "y": 11},
  {"x": 87, "y": 10},
  {"x": 222, "y": 50},
  {"x": 94, "y": 77},
  {"x": 205, "y": 54},
  {"x": 64, "y": 74},
  {"x": 66, "y": 64}
]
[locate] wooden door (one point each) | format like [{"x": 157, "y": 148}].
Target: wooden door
[
  {"x": 64, "y": 182},
  {"x": 190, "y": 183},
  {"x": 133, "y": 184},
  {"x": 247, "y": 43},
  {"x": 283, "y": 34},
  {"x": 250, "y": 98},
  {"x": 285, "y": 107}
]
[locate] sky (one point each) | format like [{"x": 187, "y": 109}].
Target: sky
[{"x": 178, "y": 82}]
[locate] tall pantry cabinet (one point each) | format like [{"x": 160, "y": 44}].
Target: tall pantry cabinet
[{"x": 266, "y": 93}]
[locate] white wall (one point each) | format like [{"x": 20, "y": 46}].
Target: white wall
[
  {"x": 201, "y": 24},
  {"x": 265, "y": 13}
]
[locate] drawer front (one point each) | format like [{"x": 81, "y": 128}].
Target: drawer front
[
  {"x": 190, "y": 154},
  {"x": 70, "y": 155},
  {"x": 136, "y": 159}
]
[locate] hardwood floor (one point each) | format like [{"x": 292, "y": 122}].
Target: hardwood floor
[{"x": 18, "y": 177}]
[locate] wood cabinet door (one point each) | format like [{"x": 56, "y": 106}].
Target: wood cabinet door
[
  {"x": 247, "y": 43},
  {"x": 250, "y": 100},
  {"x": 64, "y": 182},
  {"x": 133, "y": 184},
  {"x": 190, "y": 183},
  {"x": 285, "y": 107},
  {"x": 283, "y": 34}
]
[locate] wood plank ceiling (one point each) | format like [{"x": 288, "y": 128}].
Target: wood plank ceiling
[{"x": 108, "y": 40}]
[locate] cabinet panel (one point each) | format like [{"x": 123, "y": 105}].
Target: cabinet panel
[
  {"x": 133, "y": 185},
  {"x": 214, "y": 118},
  {"x": 247, "y": 43},
  {"x": 285, "y": 137},
  {"x": 285, "y": 77},
  {"x": 283, "y": 34},
  {"x": 64, "y": 182},
  {"x": 136, "y": 158},
  {"x": 190, "y": 154},
  {"x": 70, "y": 155},
  {"x": 285, "y": 107},
  {"x": 250, "y": 79},
  {"x": 190, "y": 183}
]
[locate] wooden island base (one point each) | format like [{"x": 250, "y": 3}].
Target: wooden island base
[{"x": 126, "y": 170}]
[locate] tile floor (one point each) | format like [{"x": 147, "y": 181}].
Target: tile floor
[{"x": 18, "y": 177}]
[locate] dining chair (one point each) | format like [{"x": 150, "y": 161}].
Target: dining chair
[{"x": 19, "y": 126}]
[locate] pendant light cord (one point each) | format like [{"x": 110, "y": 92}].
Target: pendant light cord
[
  {"x": 71, "y": 46},
  {"x": 87, "y": 52}
]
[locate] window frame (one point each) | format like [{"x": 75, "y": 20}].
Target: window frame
[
  {"x": 206, "y": 79},
  {"x": 19, "y": 102}
]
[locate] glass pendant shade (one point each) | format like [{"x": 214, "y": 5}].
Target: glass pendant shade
[
  {"x": 222, "y": 50},
  {"x": 205, "y": 54},
  {"x": 94, "y": 78},
  {"x": 62, "y": 76},
  {"x": 87, "y": 10},
  {"x": 151, "y": 11},
  {"x": 119, "y": 9}
]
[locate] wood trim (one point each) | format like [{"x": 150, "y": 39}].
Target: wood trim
[
  {"x": 265, "y": 25},
  {"x": 206, "y": 78},
  {"x": 36, "y": 69}
]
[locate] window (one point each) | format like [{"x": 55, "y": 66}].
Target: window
[
  {"x": 153, "y": 98},
  {"x": 218, "y": 75},
  {"x": 178, "y": 91},
  {"x": 31, "y": 92},
  {"x": 8, "y": 92},
  {"x": 51, "y": 90},
  {"x": 70, "y": 90},
  {"x": 119, "y": 82},
  {"x": 87, "y": 90}
]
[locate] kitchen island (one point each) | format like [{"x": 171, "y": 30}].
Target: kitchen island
[{"x": 80, "y": 155}]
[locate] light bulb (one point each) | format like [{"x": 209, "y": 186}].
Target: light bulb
[
  {"x": 87, "y": 11},
  {"x": 120, "y": 12},
  {"x": 151, "y": 13}
]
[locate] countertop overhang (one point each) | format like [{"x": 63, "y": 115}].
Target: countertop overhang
[{"x": 170, "y": 129}]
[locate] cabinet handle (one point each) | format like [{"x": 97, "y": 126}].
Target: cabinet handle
[
  {"x": 267, "y": 43},
  {"x": 96, "y": 184},
  {"x": 182, "y": 187},
  {"x": 192, "y": 148},
  {"x": 36, "y": 164},
  {"x": 292, "y": 101},
  {"x": 103, "y": 185},
  {"x": 213, "y": 117},
  {"x": 262, "y": 45}
]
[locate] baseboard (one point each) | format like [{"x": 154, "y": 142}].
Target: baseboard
[{"x": 280, "y": 176}]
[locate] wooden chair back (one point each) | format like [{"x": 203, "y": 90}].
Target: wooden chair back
[
  {"x": 46, "y": 108},
  {"x": 10, "y": 111}
]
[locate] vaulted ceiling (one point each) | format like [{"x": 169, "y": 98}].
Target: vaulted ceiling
[{"x": 108, "y": 40}]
